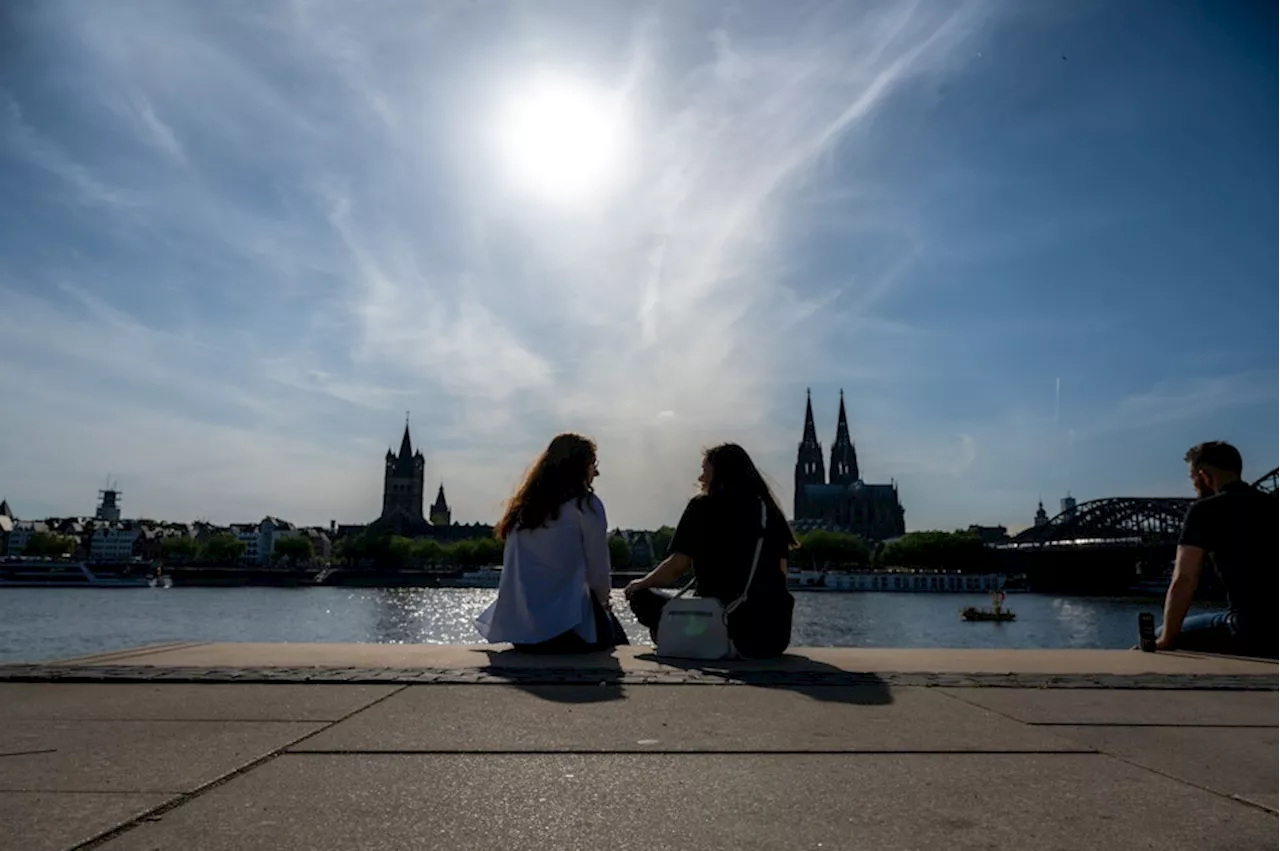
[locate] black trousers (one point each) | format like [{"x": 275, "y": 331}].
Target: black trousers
[
  {"x": 647, "y": 605},
  {"x": 609, "y": 634}
]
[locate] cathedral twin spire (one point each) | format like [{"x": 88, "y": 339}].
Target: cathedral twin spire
[{"x": 844, "y": 457}]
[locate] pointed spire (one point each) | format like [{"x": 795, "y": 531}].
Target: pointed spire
[
  {"x": 406, "y": 446},
  {"x": 810, "y": 430},
  {"x": 440, "y": 501},
  {"x": 844, "y": 458}
]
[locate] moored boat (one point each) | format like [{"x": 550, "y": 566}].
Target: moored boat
[
  {"x": 23, "y": 573},
  {"x": 485, "y": 577}
]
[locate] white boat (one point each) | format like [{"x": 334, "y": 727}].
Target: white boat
[
  {"x": 924, "y": 581},
  {"x": 23, "y": 574},
  {"x": 485, "y": 577}
]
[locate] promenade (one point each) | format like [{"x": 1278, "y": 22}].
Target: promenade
[{"x": 276, "y": 747}]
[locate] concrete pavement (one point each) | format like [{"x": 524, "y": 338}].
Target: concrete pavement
[{"x": 341, "y": 747}]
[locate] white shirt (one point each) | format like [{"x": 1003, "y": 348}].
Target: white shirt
[{"x": 547, "y": 576}]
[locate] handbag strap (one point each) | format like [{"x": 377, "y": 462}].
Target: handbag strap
[{"x": 755, "y": 561}]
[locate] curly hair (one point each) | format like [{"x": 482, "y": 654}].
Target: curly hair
[
  {"x": 1215, "y": 453},
  {"x": 558, "y": 475}
]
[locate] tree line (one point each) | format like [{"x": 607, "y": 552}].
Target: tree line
[
  {"x": 818, "y": 550},
  {"x": 397, "y": 551},
  {"x": 823, "y": 550},
  {"x": 935, "y": 550}
]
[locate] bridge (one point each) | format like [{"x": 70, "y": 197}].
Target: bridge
[
  {"x": 1268, "y": 482},
  {"x": 1119, "y": 521},
  {"x": 1107, "y": 545}
]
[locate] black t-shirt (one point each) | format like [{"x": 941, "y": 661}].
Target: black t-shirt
[
  {"x": 719, "y": 532},
  {"x": 1238, "y": 528}
]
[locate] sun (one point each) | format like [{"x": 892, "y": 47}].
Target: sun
[{"x": 562, "y": 138}]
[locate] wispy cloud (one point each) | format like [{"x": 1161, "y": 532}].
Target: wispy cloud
[
  {"x": 1177, "y": 400},
  {"x": 334, "y": 231},
  {"x": 32, "y": 148}
]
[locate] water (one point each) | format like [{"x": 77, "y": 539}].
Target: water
[{"x": 39, "y": 624}]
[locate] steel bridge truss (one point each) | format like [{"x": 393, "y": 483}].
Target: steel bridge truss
[
  {"x": 1119, "y": 520},
  {"x": 1146, "y": 520}
]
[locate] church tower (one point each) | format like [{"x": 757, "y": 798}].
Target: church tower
[
  {"x": 402, "y": 483},
  {"x": 844, "y": 458},
  {"x": 440, "y": 514},
  {"x": 809, "y": 466}
]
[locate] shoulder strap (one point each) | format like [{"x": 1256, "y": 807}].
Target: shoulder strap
[{"x": 755, "y": 561}]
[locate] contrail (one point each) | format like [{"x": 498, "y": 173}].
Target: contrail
[{"x": 1057, "y": 397}]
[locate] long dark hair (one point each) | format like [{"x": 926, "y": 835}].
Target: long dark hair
[
  {"x": 558, "y": 475},
  {"x": 733, "y": 473}
]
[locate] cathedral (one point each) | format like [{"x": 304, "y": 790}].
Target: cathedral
[
  {"x": 843, "y": 502},
  {"x": 403, "y": 492}
]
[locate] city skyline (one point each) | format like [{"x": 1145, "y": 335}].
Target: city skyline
[{"x": 1029, "y": 244}]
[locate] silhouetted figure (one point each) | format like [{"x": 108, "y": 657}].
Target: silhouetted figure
[
  {"x": 1235, "y": 525},
  {"x": 554, "y": 593},
  {"x": 717, "y": 537}
]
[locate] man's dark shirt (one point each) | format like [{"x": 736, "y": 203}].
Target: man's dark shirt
[
  {"x": 719, "y": 532},
  {"x": 1238, "y": 528}
]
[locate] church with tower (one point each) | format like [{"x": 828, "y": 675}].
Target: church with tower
[
  {"x": 841, "y": 502},
  {"x": 403, "y": 495}
]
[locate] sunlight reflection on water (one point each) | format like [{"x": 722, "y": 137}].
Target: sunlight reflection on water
[{"x": 50, "y": 623}]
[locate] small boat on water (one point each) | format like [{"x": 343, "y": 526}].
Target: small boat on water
[
  {"x": 997, "y": 612},
  {"x": 973, "y": 613}
]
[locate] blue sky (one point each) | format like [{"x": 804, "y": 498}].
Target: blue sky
[{"x": 1033, "y": 242}]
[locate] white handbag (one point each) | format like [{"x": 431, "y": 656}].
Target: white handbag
[{"x": 698, "y": 627}]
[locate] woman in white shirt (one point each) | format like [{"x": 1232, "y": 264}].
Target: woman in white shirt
[{"x": 554, "y": 593}]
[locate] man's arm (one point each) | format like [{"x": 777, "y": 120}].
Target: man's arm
[{"x": 1186, "y": 579}]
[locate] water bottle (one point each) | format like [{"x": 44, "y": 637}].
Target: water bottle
[{"x": 1147, "y": 632}]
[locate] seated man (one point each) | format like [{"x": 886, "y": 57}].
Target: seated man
[{"x": 1236, "y": 525}]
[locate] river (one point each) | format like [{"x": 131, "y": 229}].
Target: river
[{"x": 40, "y": 624}]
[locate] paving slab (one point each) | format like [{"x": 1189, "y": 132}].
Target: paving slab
[
  {"x": 638, "y": 658},
  {"x": 1270, "y": 802},
  {"x": 677, "y": 718},
  {"x": 179, "y": 702},
  {"x": 53, "y": 821},
  {"x": 134, "y": 756},
  {"x": 1229, "y": 760},
  {"x": 1098, "y": 706},
  {"x": 742, "y": 802}
]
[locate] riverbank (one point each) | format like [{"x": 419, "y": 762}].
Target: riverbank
[{"x": 350, "y": 746}]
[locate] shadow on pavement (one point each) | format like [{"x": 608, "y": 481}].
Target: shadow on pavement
[
  {"x": 584, "y": 677},
  {"x": 800, "y": 674}
]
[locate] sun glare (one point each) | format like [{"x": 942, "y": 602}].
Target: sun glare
[{"x": 562, "y": 138}]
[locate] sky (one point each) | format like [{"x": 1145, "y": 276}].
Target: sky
[{"x": 1033, "y": 242}]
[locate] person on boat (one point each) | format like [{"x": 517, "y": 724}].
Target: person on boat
[
  {"x": 1234, "y": 525},
  {"x": 716, "y": 537},
  {"x": 553, "y": 596}
]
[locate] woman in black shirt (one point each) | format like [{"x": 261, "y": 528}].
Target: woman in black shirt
[{"x": 717, "y": 536}]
